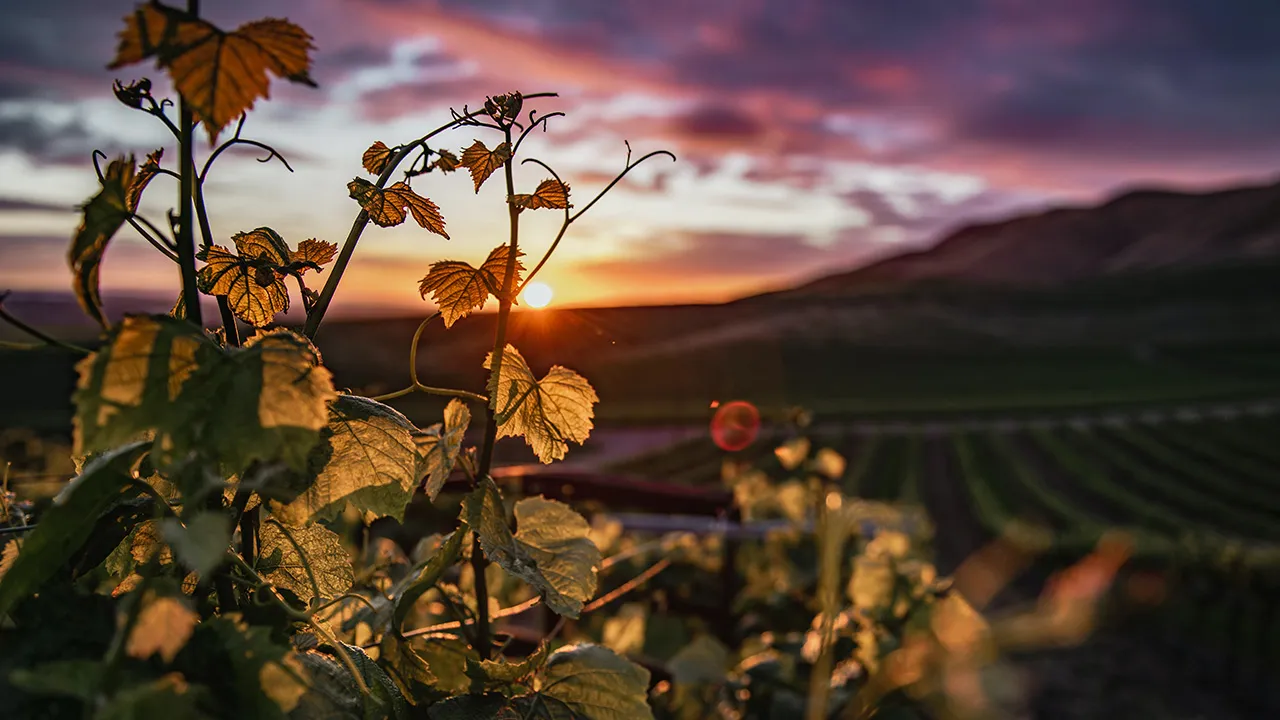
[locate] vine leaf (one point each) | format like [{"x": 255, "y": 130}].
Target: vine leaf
[
  {"x": 367, "y": 455},
  {"x": 164, "y": 625},
  {"x": 266, "y": 401},
  {"x": 202, "y": 544},
  {"x": 160, "y": 378},
  {"x": 446, "y": 162},
  {"x": 551, "y": 194},
  {"x": 386, "y": 206},
  {"x": 482, "y": 162},
  {"x": 266, "y": 678},
  {"x": 320, "y": 252},
  {"x": 220, "y": 74},
  {"x": 9, "y": 555},
  {"x": 552, "y": 550},
  {"x": 103, "y": 482},
  {"x": 597, "y": 684},
  {"x": 318, "y": 556},
  {"x": 167, "y": 696},
  {"x": 458, "y": 289},
  {"x": 434, "y": 569},
  {"x": 375, "y": 159},
  {"x": 147, "y": 171},
  {"x": 501, "y": 673},
  {"x": 129, "y": 386},
  {"x": 548, "y": 412},
  {"x": 102, "y": 216},
  {"x": 252, "y": 280},
  {"x": 405, "y": 666},
  {"x": 439, "y": 445}
]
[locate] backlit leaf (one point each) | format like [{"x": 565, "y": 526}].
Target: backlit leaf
[
  {"x": 366, "y": 456},
  {"x": 703, "y": 660},
  {"x": 445, "y": 162},
  {"x": 163, "y": 626},
  {"x": 548, "y": 413},
  {"x": 386, "y": 206},
  {"x": 9, "y": 555},
  {"x": 552, "y": 550},
  {"x": 285, "y": 564},
  {"x": 266, "y": 401},
  {"x": 129, "y": 386},
  {"x": 793, "y": 452},
  {"x": 597, "y": 684},
  {"x": 482, "y": 161},
  {"x": 147, "y": 171},
  {"x": 872, "y": 583},
  {"x": 159, "y": 376},
  {"x": 376, "y": 157},
  {"x": 220, "y": 74},
  {"x": 101, "y": 218},
  {"x": 458, "y": 289},
  {"x": 439, "y": 446},
  {"x": 65, "y": 526},
  {"x": 202, "y": 544},
  {"x": 320, "y": 252},
  {"x": 240, "y": 281},
  {"x": 551, "y": 194}
]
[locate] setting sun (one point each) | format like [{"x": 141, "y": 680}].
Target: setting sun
[{"x": 537, "y": 295}]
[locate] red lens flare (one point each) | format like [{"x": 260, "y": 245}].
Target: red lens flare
[{"x": 735, "y": 425}]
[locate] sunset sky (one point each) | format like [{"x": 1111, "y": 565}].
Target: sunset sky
[{"x": 811, "y": 134}]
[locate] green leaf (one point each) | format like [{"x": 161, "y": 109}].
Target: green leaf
[
  {"x": 105, "y": 481},
  {"x": 65, "y": 678},
  {"x": 430, "y": 575},
  {"x": 164, "y": 624},
  {"x": 130, "y": 387},
  {"x": 439, "y": 446},
  {"x": 597, "y": 684},
  {"x": 624, "y": 632},
  {"x": 448, "y": 659},
  {"x": 548, "y": 413},
  {"x": 704, "y": 660},
  {"x": 406, "y": 667},
  {"x": 489, "y": 706},
  {"x": 169, "y": 697},
  {"x": 203, "y": 543},
  {"x": 501, "y": 673},
  {"x": 552, "y": 550},
  {"x": 102, "y": 217},
  {"x": 266, "y": 401},
  {"x": 367, "y": 456},
  {"x": 383, "y": 693},
  {"x": 309, "y": 560},
  {"x": 161, "y": 377},
  {"x": 257, "y": 676}
]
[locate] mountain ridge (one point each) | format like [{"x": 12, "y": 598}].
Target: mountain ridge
[{"x": 1142, "y": 228}]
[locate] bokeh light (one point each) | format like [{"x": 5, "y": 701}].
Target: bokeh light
[{"x": 735, "y": 425}]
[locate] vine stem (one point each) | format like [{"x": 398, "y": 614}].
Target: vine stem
[
  {"x": 186, "y": 231},
  {"x": 316, "y": 316},
  {"x": 491, "y": 419}
]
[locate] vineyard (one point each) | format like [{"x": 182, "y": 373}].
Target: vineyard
[{"x": 1200, "y": 497}]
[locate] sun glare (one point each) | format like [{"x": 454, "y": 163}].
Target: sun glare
[{"x": 537, "y": 295}]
